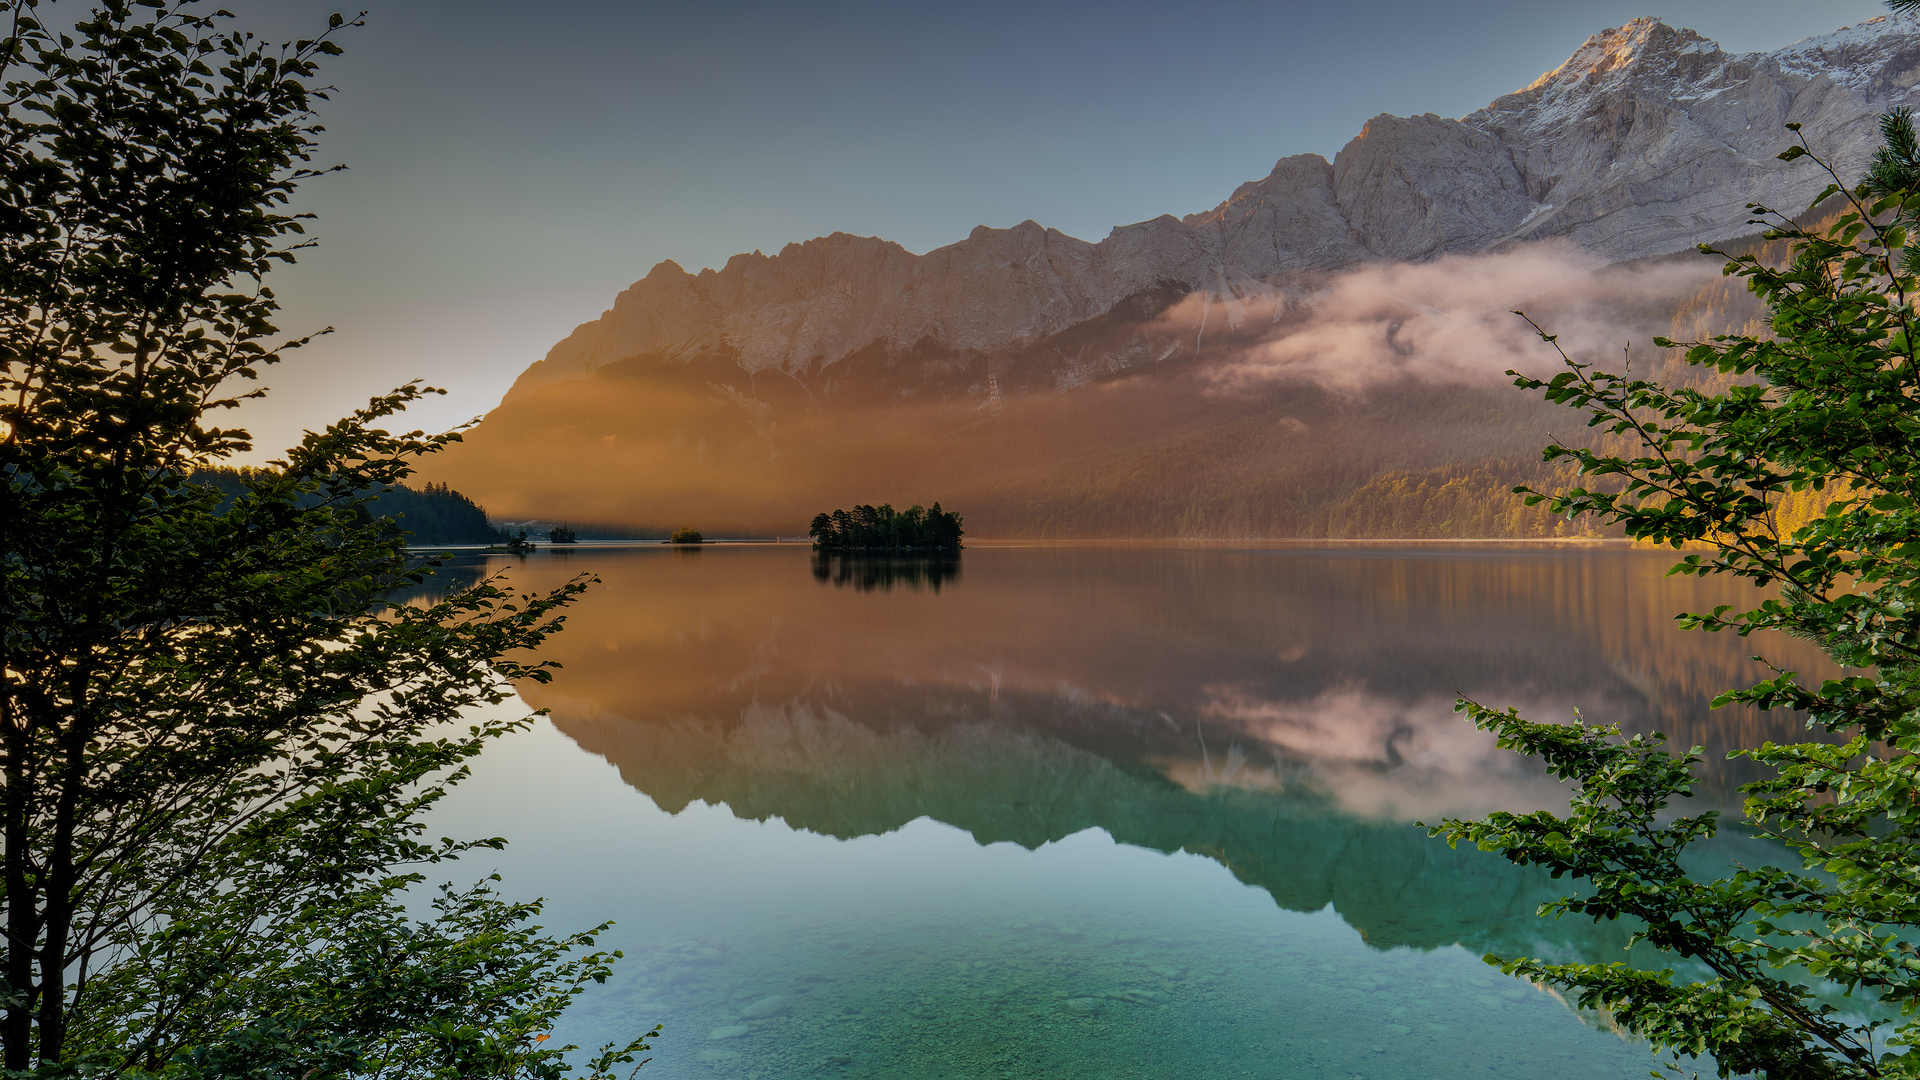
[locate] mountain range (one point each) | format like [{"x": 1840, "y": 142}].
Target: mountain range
[{"x": 1316, "y": 355}]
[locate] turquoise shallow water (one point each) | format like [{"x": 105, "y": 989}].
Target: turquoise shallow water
[{"x": 1081, "y": 812}]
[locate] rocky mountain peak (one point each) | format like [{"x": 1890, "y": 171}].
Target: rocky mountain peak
[
  {"x": 1647, "y": 140},
  {"x": 1644, "y": 43},
  {"x": 1873, "y": 60}
]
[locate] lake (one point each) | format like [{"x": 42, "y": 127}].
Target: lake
[{"x": 1084, "y": 810}]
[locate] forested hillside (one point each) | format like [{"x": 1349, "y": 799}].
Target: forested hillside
[{"x": 435, "y": 514}]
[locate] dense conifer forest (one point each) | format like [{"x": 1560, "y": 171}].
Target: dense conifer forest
[
  {"x": 436, "y": 514},
  {"x": 881, "y": 528}
]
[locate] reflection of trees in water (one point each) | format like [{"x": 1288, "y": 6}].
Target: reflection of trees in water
[
  {"x": 452, "y": 575},
  {"x": 1347, "y": 658},
  {"x": 867, "y": 571}
]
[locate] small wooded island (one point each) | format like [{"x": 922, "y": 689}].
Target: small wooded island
[{"x": 882, "y": 528}]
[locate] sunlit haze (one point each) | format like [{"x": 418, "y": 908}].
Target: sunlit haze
[{"x": 512, "y": 168}]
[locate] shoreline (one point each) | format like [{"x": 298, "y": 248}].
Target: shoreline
[{"x": 1148, "y": 541}]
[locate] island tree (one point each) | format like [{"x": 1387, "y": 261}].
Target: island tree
[{"x": 881, "y": 528}]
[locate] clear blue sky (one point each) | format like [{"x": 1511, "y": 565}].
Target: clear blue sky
[{"x": 514, "y": 165}]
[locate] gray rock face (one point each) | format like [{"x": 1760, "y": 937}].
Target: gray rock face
[
  {"x": 1420, "y": 187},
  {"x": 1649, "y": 139}
]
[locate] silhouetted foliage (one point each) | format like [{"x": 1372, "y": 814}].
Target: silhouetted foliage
[
  {"x": 216, "y": 740},
  {"x": 435, "y": 514},
  {"x": 881, "y": 528},
  {"x": 686, "y": 536},
  {"x": 561, "y": 534}
]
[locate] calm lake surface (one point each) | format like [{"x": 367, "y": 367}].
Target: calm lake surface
[{"x": 1083, "y": 811}]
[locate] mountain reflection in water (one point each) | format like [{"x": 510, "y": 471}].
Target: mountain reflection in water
[
  {"x": 1285, "y": 711},
  {"x": 1281, "y": 711}
]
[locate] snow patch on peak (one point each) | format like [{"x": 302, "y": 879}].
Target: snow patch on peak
[
  {"x": 1646, "y": 57},
  {"x": 1623, "y": 46},
  {"x": 1647, "y": 140},
  {"x": 1866, "y": 58}
]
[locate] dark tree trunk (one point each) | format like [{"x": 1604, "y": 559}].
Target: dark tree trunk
[{"x": 16, "y": 1031}]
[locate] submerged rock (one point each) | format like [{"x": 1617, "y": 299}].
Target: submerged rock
[{"x": 767, "y": 1006}]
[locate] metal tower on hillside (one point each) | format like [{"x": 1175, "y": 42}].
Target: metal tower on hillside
[{"x": 994, "y": 405}]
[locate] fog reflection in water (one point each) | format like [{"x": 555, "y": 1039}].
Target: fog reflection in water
[{"x": 1284, "y": 713}]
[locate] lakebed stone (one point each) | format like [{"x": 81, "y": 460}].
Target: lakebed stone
[{"x": 772, "y": 1005}]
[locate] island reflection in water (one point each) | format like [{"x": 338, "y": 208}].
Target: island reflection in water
[
  {"x": 884, "y": 571},
  {"x": 1284, "y": 714}
]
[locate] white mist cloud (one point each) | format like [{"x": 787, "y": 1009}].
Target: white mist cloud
[
  {"x": 1379, "y": 757},
  {"x": 1447, "y": 320}
]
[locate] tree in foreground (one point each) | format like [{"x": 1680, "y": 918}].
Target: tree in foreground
[
  {"x": 215, "y": 739},
  {"x": 1812, "y": 969}
]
